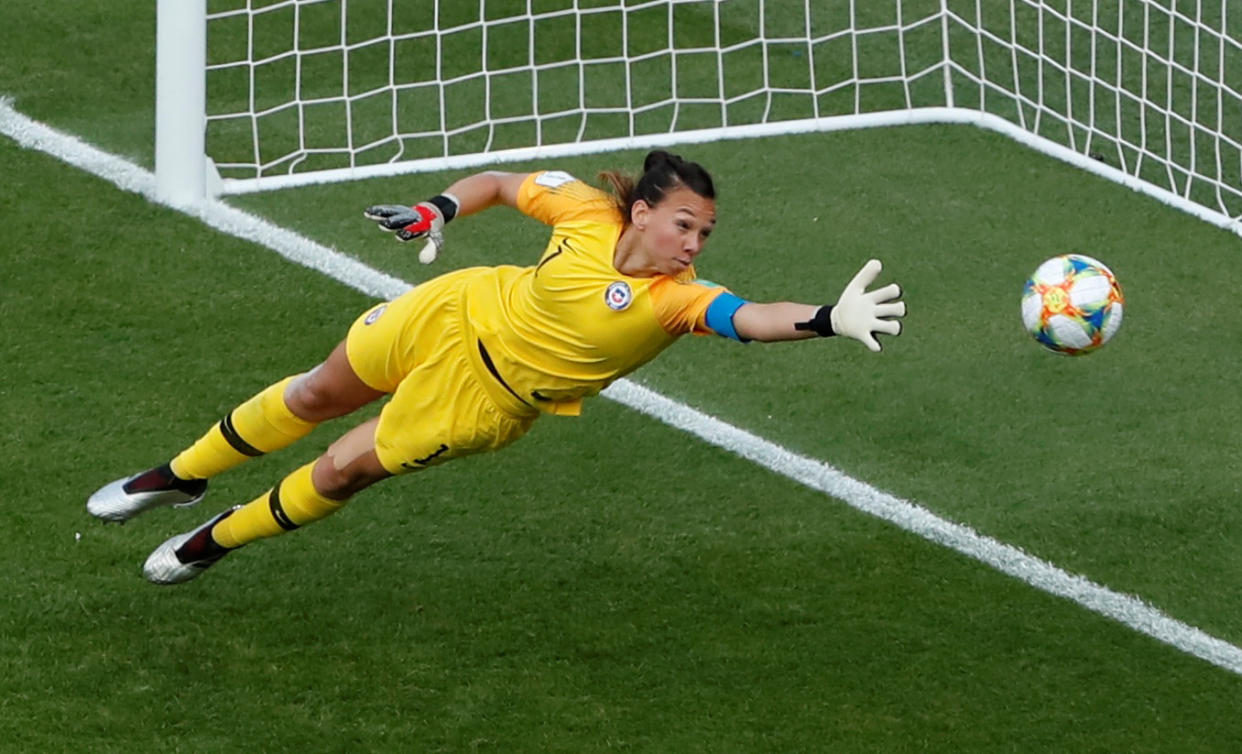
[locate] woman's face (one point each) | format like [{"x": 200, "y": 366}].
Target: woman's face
[{"x": 674, "y": 231}]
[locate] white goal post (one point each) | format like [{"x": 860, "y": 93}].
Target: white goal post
[{"x": 261, "y": 94}]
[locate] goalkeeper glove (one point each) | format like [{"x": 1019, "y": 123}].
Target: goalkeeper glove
[
  {"x": 423, "y": 219},
  {"x": 858, "y": 313}
]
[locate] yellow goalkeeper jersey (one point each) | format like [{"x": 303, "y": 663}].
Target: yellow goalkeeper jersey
[{"x": 569, "y": 326}]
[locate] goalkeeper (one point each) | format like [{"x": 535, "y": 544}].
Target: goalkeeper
[{"x": 470, "y": 359}]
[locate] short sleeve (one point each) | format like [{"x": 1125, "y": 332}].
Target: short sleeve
[
  {"x": 681, "y": 307},
  {"x": 556, "y": 198}
]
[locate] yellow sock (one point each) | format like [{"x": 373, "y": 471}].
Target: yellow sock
[
  {"x": 260, "y": 425},
  {"x": 293, "y": 503}
]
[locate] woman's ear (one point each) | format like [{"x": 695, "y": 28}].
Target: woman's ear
[{"x": 640, "y": 213}]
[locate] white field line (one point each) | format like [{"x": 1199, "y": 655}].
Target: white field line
[{"x": 817, "y": 475}]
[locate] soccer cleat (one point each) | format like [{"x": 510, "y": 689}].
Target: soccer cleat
[
  {"x": 121, "y": 500},
  {"x": 184, "y": 556}
]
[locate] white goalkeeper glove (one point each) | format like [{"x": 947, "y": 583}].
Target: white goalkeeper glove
[
  {"x": 861, "y": 314},
  {"x": 425, "y": 219}
]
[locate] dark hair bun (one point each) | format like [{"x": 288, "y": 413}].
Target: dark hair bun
[
  {"x": 663, "y": 171},
  {"x": 658, "y": 158}
]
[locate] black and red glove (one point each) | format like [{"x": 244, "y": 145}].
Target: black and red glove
[{"x": 423, "y": 219}]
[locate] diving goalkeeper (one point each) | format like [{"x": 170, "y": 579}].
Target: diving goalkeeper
[{"x": 470, "y": 359}]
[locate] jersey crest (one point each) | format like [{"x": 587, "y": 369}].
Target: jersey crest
[{"x": 618, "y": 296}]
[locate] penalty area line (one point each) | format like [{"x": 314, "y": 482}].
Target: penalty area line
[{"x": 1126, "y": 609}]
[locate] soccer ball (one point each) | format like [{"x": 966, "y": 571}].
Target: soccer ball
[{"x": 1072, "y": 304}]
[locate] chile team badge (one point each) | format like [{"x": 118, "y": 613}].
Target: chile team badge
[{"x": 618, "y": 296}]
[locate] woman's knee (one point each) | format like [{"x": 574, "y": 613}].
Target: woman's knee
[
  {"x": 350, "y": 464},
  {"x": 342, "y": 482},
  {"x": 328, "y": 391},
  {"x": 311, "y": 397}
]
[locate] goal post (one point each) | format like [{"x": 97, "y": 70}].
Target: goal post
[
  {"x": 181, "y": 100},
  {"x": 1145, "y": 92}
]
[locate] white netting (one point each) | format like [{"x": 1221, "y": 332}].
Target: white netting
[
  {"x": 297, "y": 85},
  {"x": 304, "y": 90},
  {"x": 1151, "y": 87}
]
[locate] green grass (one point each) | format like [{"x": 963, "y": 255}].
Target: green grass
[
  {"x": 1049, "y": 453},
  {"x": 609, "y": 582}
]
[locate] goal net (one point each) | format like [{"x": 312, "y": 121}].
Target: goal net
[{"x": 301, "y": 91}]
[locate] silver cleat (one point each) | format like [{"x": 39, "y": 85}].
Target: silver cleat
[
  {"x": 113, "y": 503},
  {"x": 165, "y": 565}
]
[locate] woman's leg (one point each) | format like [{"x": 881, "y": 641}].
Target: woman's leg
[
  {"x": 275, "y": 418},
  {"x": 330, "y": 390},
  {"x": 439, "y": 413},
  {"x": 278, "y": 416},
  {"x": 314, "y": 491}
]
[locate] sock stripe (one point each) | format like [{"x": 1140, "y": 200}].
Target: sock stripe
[
  {"x": 235, "y": 440},
  {"x": 278, "y": 510}
]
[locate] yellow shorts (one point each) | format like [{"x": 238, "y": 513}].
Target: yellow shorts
[{"x": 444, "y": 404}]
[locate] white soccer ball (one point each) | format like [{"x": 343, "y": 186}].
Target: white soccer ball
[{"x": 1072, "y": 304}]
